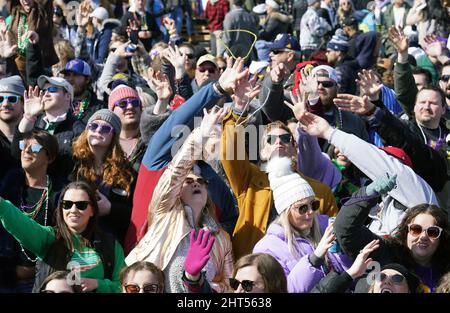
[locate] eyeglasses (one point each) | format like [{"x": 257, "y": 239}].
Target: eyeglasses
[
  {"x": 247, "y": 285},
  {"x": 303, "y": 209},
  {"x": 9, "y": 99},
  {"x": 52, "y": 89},
  {"x": 80, "y": 205},
  {"x": 123, "y": 104},
  {"x": 35, "y": 147},
  {"x": 211, "y": 70},
  {"x": 147, "y": 288},
  {"x": 285, "y": 138},
  {"x": 102, "y": 128},
  {"x": 433, "y": 232},
  {"x": 445, "y": 78},
  {"x": 397, "y": 279},
  {"x": 51, "y": 291},
  {"x": 189, "y": 55},
  {"x": 199, "y": 180},
  {"x": 280, "y": 51},
  {"x": 326, "y": 84}
]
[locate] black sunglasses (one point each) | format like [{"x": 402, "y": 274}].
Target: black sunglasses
[
  {"x": 147, "y": 288},
  {"x": 396, "y": 278},
  {"x": 303, "y": 209},
  {"x": 80, "y": 205},
  {"x": 326, "y": 84},
  {"x": 279, "y": 51},
  {"x": 190, "y": 55},
  {"x": 199, "y": 180},
  {"x": 445, "y": 78},
  {"x": 433, "y": 232},
  {"x": 285, "y": 138},
  {"x": 9, "y": 99},
  {"x": 247, "y": 285}
]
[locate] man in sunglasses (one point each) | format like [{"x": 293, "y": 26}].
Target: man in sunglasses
[
  {"x": 78, "y": 73},
  {"x": 11, "y": 110},
  {"x": 125, "y": 103},
  {"x": 48, "y": 107},
  {"x": 206, "y": 70}
]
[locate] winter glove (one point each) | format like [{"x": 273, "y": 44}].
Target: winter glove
[
  {"x": 198, "y": 253},
  {"x": 381, "y": 185}
]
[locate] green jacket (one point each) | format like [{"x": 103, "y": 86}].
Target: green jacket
[{"x": 38, "y": 239}]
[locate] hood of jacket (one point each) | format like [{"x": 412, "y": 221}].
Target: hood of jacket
[{"x": 111, "y": 23}]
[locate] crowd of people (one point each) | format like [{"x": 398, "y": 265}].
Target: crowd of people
[{"x": 304, "y": 149}]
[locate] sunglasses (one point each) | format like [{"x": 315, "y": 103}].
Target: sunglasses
[
  {"x": 123, "y": 104},
  {"x": 211, "y": 70},
  {"x": 80, "y": 205},
  {"x": 199, "y": 180},
  {"x": 247, "y": 285},
  {"x": 147, "y": 288},
  {"x": 285, "y": 138},
  {"x": 433, "y": 232},
  {"x": 103, "y": 129},
  {"x": 9, "y": 99},
  {"x": 396, "y": 278},
  {"x": 35, "y": 147},
  {"x": 279, "y": 51},
  {"x": 189, "y": 55},
  {"x": 52, "y": 89},
  {"x": 303, "y": 209},
  {"x": 326, "y": 84},
  {"x": 445, "y": 78}
]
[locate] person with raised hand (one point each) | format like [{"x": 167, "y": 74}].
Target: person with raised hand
[
  {"x": 411, "y": 189},
  {"x": 181, "y": 203}
]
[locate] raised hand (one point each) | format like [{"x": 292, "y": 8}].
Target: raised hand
[
  {"x": 381, "y": 185},
  {"x": 122, "y": 52},
  {"x": 433, "y": 47},
  {"x": 198, "y": 253},
  {"x": 278, "y": 73},
  {"x": 308, "y": 82},
  {"x": 315, "y": 126},
  {"x": 398, "y": 39},
  {"x": 169, "y": 23},
  {"x": 33, "y": 105},
  {"x": 355, "y": 104},
  {"x": 7, "y": 46},
  {"x": 369, "y": 84},
  {"x": 245, "y": 91},
  {"x": 299, "y": 105},
  {"x": 325, "y": 243},
  {"x": 361, "y": 262},
  {"x": 211, "y": 119},
  {"x": 177, "y": 59},
  {"x": 161, "y": 85},
  {"x": 232, "y": 74}
]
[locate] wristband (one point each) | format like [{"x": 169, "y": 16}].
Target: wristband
[{"x": 219, "y": 89}]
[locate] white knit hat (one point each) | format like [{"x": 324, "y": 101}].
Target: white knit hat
[{"x": 287, "y": 186}]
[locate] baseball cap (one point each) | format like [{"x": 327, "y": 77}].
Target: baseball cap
[
  {"x": 77, "y": 66},
  {"x": 12, "y": 85},
  {"x": 101, "y": 13},
  {"x": 399, "y": 154},
  {"x": 56, "y": 81},
  {"x": 207, "y": 58},
  {"x": 285, "y": 41},
  {"x": 331, "y": 71}
]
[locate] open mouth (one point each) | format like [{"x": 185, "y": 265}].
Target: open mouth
[
  {"x": 385, "y": 290},
  {"x": 196, "y": 192}
]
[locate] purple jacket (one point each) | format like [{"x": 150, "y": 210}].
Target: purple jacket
[{"x": 301, "y": 275}]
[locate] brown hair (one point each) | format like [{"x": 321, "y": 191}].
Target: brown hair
[
  {"x": 270, "y": 270},
  {"x": 63, "y": 232},
  {"x": 116, "y": 168},
  {"x": 46, "y": 140},
  {"x": 269, "y": 128},
  {"x": 142, "y": 266},
  {"x": 59, "y": 275}
]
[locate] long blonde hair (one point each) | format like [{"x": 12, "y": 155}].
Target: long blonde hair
[{"x": 290, "y": 233}]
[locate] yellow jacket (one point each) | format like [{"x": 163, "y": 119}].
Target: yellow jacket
[
  {"x": 252, "y": 190},
  {"x": 170, "y": 223}
]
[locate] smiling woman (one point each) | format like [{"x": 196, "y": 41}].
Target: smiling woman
[{"x": 76, "y": 239}]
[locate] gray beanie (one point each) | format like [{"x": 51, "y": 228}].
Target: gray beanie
[
  {"x": 107, "y": 116},
  {"x": 13, "y": 85}
]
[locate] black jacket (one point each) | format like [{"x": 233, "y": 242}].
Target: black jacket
[
  {"x": 333, "y": 283},
  {"x": 347, "y": 71},
  {"x": 7, "y": 161}
]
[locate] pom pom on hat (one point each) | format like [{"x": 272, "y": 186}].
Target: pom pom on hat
[{"x": 287, "y": 186}]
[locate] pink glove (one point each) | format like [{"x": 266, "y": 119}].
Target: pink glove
[{"x": 198, "y": 253}]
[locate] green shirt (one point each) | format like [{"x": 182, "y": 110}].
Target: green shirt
[{"x": 38, "y": 239}]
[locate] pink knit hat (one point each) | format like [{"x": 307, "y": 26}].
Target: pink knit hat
[{"x": 119, "y": 93}]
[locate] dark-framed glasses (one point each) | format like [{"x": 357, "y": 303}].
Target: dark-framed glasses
[
  {"x": 304, "y": 208},
  {"x": 246, "y": 284},
  {"x": 326, "y": 84},
  {"x": 147, "y": 288},
  {"x": 285, "y": 138},
  {"x": 397, "y": 279},
  {"x": 80, "y": 205},
  {"x": 199, "y": 180}
]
